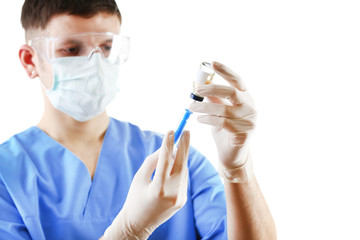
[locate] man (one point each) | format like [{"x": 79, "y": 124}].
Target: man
[{"x": 79, "y": 174}]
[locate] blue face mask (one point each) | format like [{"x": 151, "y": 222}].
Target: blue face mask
[{"x": 83, "y": 87}]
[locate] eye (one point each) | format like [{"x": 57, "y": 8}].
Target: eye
[
  {"x": 107, "y": 48},
  {"x": 68, "y": 49},
  {"x": 72, "y": 51}
]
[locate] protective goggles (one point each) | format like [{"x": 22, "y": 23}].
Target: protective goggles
[{"x": 113, "y": 47}]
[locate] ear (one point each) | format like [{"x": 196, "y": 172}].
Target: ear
[{"x": 26, "y": 55}]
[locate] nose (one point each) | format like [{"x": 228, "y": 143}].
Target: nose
[{"x": 95, "y": 50}]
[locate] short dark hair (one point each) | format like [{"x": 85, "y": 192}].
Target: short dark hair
[{"x": 37, "y": 13}]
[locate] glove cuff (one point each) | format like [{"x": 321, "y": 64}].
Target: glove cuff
[
  {"x": 120, "y": 229},
  {"x": 241, "y": 174}
]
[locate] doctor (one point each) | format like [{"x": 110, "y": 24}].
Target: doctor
[{"x": 80, "y": 174}]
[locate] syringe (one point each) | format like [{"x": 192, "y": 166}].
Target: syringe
[
  {"x": 204, "y": 77},
  {"x": 179, "y": 131}
]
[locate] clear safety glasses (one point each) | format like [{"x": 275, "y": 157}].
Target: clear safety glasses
[{"x": 112, "y": 46}]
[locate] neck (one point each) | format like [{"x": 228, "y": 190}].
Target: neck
[{"x": 65, "y": 129}]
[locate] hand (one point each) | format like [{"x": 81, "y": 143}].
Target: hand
[
  {"x": 232, "y": 114},
  {"x": 151, "y": 202}
]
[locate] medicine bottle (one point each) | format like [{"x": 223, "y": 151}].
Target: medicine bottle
[{"x": 204, "y": 76}]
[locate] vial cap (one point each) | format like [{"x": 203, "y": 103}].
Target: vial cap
[{"x": 196, "y": 98}]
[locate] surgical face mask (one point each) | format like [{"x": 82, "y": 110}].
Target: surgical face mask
[
  {"x": 85, "y": 70},
  {"x": 83, "y": 86}
]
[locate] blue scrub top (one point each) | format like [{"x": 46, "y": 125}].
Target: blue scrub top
[{"x": 46, "y": 192}]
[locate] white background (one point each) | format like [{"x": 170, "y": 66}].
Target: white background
[{"x": 300, "y": 61}]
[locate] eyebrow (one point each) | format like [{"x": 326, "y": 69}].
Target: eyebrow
[
  {"x": 108, "y": 40},
  {"x": 70, "y": 41}
]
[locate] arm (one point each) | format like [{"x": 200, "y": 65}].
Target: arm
[
  {"x": 11, "y": 224},
  {"x": 247, "y": 210},
  {"x": 232, "y": 114}
]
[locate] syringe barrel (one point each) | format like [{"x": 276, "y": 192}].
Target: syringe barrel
[{"x": 179, "y": 131}]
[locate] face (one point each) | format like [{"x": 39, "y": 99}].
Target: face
[{"x": 62, "y": 25}]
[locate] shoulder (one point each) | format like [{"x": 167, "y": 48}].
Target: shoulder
[
  {"x": 15, "y": 158},
  {"x": 127, "y": 134},
  {"x": 14, "y": 147},
  {"x": 127, "y": 127},
  {"x": 17, "y": 152}
]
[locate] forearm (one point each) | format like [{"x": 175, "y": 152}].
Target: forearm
[{"x": 247, "y": 212}]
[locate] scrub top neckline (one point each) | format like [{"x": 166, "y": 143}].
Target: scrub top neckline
[{"x": 98, "y": 164}]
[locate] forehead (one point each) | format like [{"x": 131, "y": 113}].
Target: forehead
[{"x": 64, "y": 24}]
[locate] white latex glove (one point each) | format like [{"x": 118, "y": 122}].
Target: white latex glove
[
  {"x": 151, "y": 202},
  {"x": 232, "y": 114}
]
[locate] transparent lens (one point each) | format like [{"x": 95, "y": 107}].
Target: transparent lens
[{"x": 113, "y": 47}]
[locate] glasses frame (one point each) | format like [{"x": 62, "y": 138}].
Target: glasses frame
[{"x": 49, "y": 39}]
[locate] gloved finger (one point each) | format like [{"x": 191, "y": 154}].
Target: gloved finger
[
  {"x": 229, "y": 76},
  {"x": 234, "y": 96},
  {"x": 164, "y": 164},
  {"x": 182, "y": 187},
  {"x": 216, "y": 100},
  {"x": 182, "y": 154},
  {"x": 222, "y": 110},
  {"x": 149, "y": 165},
  {"x": 232, "y": 125}
]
